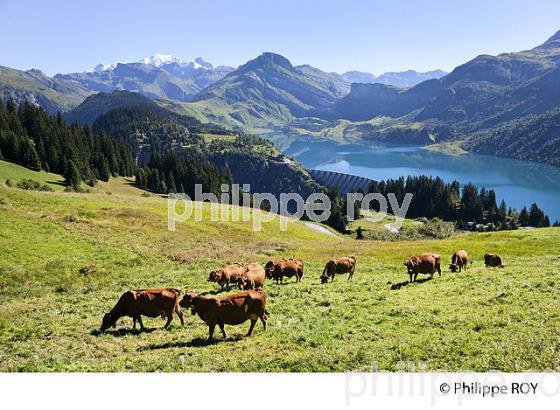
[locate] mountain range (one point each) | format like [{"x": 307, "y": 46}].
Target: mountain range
[
  {"x": 160, "y": 76},
  {"x": 481, "y": 105},
  {"x": 408, "y": 78}
]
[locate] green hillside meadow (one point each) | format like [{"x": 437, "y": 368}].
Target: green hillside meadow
[{"x": 65, "y": 258}]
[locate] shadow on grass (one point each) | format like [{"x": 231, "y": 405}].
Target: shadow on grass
[
  {"x": 121, "y": 332},
  {"x": 399, "y": 285},
  {"x": 59, "y": 183},
  {"x": 215, "y": 292},
  {"x": 130, "y": 181},
  {"x": 196, "y": 342}
]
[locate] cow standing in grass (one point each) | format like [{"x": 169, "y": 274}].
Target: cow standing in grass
[
  {"x": 229, "y": 310},
  {"x": 253, "y": 278},
  {"x": 281, "y": 268},
  {"x": 144, "y": 302},
  {"x": 227, "y": 275},
  {"x": 426, "y": 263},
  {"x": 339, "y": 266},
  {"x": 491, "y": 260},
  {"x": 459, "y": 261}
]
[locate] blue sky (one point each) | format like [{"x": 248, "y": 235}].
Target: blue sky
[{"x": 375, "y": 36}]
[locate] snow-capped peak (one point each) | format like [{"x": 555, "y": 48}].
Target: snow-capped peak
[
  {"x": 103, "y": 67},
  {"x": 157, "y": 60}
]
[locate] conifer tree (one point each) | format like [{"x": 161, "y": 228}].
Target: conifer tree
[{"x": 71, "y": 176}]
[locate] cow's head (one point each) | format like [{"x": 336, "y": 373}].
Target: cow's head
[
  {"x": 107, "y": 322},
  {"x": 453, "y": 268},
  {"x": 189, "y": 301},
  {"x": 269, "y": 269},
  {"x": 213, "y": 277},
  {"x": 410, "y": 265},
  {"x": 324, "y": 278},
  {"x": 242, "y": 282}
]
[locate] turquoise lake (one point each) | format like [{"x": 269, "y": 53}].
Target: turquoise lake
[{"x": 520, "y": 183}]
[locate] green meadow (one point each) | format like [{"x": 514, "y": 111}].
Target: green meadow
[{"x": 65, "y": 258}]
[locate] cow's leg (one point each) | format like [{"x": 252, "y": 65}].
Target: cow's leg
[
  {"x": 133, "y": 323},
  {"x": 169, "y": 319},
  {"x": 415, "y": 277},
  {"x": 180, "y": 314},
  {"x": 139, "y": 319},
  {"x": 438, "y": 269},
  {"x": 222, "y": 329},
  {"x": 211, "y": 331},
  {"x": 263, "y": 320},
  {"x": 410, "y": 275},
  {"x": 253, "y": 321}
]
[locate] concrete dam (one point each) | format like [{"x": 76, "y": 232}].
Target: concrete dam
[{"x": 344, "y": 182}]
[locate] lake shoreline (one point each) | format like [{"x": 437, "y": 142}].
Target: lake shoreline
[{"x": 518, "y": 182}]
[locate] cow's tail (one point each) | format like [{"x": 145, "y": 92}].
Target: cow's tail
[{"x": 246, "y": 302}]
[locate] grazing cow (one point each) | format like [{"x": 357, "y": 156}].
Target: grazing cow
[
  {"x": 459, "y": 261},
  {"x": 287, "y": 268},
  {"x": 226, "y": 275},
  {"x": 341, "y": 266},
  {"x": 492, "y": 260},
  {"x": 253, "y": 278},
  {"x": 270, "y": 266},
  {"x": 427, "y": 263},
  {"x": 144, "y": 302},
  {"x": 229, "y": 310}
]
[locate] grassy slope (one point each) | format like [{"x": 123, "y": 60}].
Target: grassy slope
[
  {"x": 17, "y": 173},
  {"x": 65, "y": 258}
]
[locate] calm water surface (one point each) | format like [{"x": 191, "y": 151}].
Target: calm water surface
[{"x": 520, "y": 183}]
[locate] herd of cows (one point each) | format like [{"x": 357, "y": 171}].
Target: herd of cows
[{"x": 250, "y": 303}]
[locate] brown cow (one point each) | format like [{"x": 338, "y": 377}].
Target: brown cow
[
  {"x": 226, "y": 275},
  {"x": 492, "y": 260},
  {"x": 427, "y": 263},
  {"x": 253, "y": 278},
  {"x": 270, "y": 266},
  {"x": 229, "y": 310},
  {"x": 144, "y": 302},
  {"x": 459, "y": 261},
  {"x": 287, "y": 268},
  {"x": 341, "y": 266}
]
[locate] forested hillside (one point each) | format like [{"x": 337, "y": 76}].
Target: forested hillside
[{"x": 32, "y": 138}]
